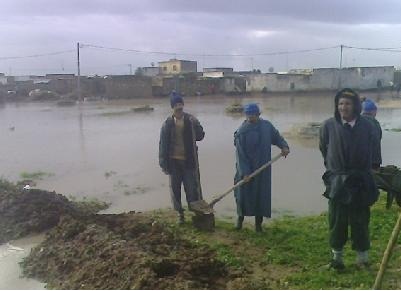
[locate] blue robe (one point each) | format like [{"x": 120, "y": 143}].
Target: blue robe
[{"x": 253, "y": 143}]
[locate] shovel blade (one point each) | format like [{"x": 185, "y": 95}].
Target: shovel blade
[{"x": 201, "y": 207}]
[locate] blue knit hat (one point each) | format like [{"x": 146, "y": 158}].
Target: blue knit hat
[
  {"x": 369, "y": 106},
  {"x": 175, "y": 98},
  {"x": 251, "y": 109}
]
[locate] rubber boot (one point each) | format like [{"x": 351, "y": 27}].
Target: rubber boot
[
  {"x": 238, "y": 225},
  {"x": 181, "y": 218},
  {"x": 258, "y": 223}
]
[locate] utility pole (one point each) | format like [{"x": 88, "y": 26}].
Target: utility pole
[
  {"x": 341, "y": 66},
  {"x": 130, "y": 69},
  {"x": 79, "y": 75},
  {"x": 286, "y": 61}
]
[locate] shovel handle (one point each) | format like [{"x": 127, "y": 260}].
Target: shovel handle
[{"x": 241, "y": 182}]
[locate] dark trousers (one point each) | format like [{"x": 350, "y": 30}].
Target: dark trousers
[
  {"x": 357, "y": 217},
  {"x": 181, "y": 175}
]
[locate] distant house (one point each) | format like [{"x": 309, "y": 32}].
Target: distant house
[
  {"x": 3, "y": 79},
  {"x": 360, "y": 78},
  {"x": 32, "y": 78},
  {"x": 59, "y": 76},
  {"x": 174, "y": 66},
  {"x": 149, "y": 71},
  {"x": 217, "y": 72}
]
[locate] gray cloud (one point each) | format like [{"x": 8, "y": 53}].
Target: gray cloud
[{"x": 201, "y": 27}]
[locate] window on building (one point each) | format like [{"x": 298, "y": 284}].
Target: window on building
[
  {"x": 292, "y": 86},
  {"x": 164, "y": 68},
  {"x": 174, "y": 68}
]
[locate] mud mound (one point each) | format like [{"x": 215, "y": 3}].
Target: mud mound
[
  {"x": 123, "y": 251},
  {"x": 23, "y": 212},
  {"x": 308, "y": 130}
]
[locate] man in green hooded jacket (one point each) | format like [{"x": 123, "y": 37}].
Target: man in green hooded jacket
[{"x": 347, "y": 143}]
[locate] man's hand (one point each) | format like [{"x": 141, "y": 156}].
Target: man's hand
[
  {"x": 165, "y": 171},
  {"x": 285, "y": 152}
]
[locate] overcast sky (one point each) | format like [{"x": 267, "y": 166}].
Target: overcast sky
[{"x": 190, "y": 28}]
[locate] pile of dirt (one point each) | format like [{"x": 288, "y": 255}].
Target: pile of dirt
[
  {"x": 23, "y": 212},
  {"x": 308, "y": 130},
  {"x": 124, "y": 251},
  {"x": 235, "y": 107}
]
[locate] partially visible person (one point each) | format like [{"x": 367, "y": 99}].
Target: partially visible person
[
  {"x": 253, "y": 141},
  {"x": 178, "y": 154},
  {"x": 369, "y": 110}
]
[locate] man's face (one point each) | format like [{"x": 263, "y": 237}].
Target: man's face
[
  {"x": 346, "y": 108},
  {"x": 371, "y": 113},
  {"x": 178, "y": 109},
  {"x": 252, "y": 118}
]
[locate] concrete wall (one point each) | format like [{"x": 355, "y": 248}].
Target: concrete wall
[
  {"x": 323, "y": 79},
  {"x": 3, "y": 80},
  {"x": 150, "y": 71},
  {"x": 189, "y": 67},
  {"x": 213, "y": 74},
  {"x": 128, "y": 87},
  {"x": 189, "y": 85},
  {"x": 225, "y": 70},
  {"x": 273, "y": 82},
  {"x": 397, "y": 77}
]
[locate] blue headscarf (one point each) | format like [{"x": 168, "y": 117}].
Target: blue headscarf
[
  {"x": 369, "y": 106},
  {"x": 175, "y": 98},
  {"x": 251, "y": 109}
]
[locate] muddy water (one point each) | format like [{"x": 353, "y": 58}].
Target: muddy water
[
  {"x": 114, "y": 157},
  {"x": 10, "y": 272}
]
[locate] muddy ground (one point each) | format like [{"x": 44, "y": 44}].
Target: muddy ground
[
  {"x": 124, "y": 251},
  {"x": 83, "y": 250},
  {"x": 24, "y": 212}
]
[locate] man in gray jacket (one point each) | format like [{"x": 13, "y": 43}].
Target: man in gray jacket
[
  {"x": 178, "y": 154},
  {"x": 347, "y": 143}
]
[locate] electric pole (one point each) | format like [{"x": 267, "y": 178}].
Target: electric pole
[
  {"x": 79, "y": 76},
  {"x": 286, "y": 61},
  {"x": 341, "y": 66}
]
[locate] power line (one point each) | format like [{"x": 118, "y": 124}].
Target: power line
[
  {"x": 207, "y": 55},
  {"x": 384, "y": 49},
  {"x": 37, "y": 55}
]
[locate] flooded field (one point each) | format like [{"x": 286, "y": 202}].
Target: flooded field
[
  {"x": 85, "y": 151},
  {"x": 107, "y": 151}
]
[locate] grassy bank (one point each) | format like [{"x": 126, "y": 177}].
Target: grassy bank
[{"x": 292, "y": 252}]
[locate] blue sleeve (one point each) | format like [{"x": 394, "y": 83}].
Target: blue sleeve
[
  {"x": 277, "y": 139},
  {"x": 243, "y": 163}
]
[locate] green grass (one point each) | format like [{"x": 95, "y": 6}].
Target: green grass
[
  {"x": 38, "y": 175},
  {"x": 89, "y": 205},
  {"x": 297, "y": 248}
]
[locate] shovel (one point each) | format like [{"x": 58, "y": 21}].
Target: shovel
[{"x": 204, "y": 218}]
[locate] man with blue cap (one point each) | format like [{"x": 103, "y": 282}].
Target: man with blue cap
[
  {"x": 253, "y": 141},
  {"x": 369, "y": 110},
  {"x": 178, "y": 154}
]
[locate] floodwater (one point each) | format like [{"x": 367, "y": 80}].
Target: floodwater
[
  {"x": 114, "y": 157},
  {"x": 10, "y": 271}
]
